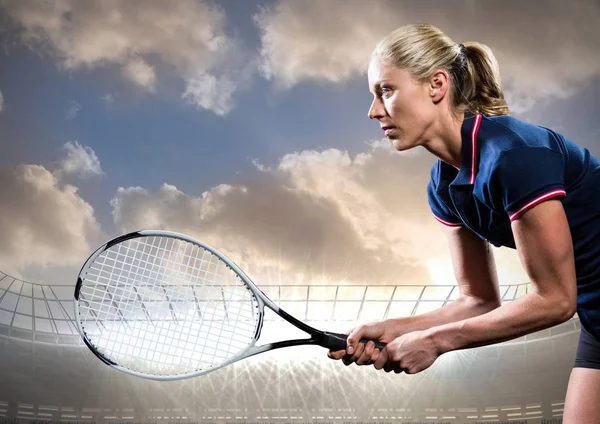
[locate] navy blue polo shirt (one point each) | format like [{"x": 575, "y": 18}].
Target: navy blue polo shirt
[{"x": 508, "y": 167}]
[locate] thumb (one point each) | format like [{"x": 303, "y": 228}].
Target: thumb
[{"x": 366, "y": 331}]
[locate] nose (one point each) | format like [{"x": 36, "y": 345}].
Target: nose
[{"x": 376, "y": 110}]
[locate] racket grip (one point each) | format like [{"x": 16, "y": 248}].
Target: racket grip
[{"x": 338, "y": 341}]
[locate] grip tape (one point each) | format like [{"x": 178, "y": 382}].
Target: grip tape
[{"x": 338, "y": 341}]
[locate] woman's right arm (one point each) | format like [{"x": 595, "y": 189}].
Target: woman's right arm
[
  {"x": 475, "y": 272},
  {"x": 476, "y": 276}
]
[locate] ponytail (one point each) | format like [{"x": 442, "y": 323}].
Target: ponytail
[{"x": 481, "y": 91}]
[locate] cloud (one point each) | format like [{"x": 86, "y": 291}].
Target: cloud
[
  {"x": 308, "y": 41},
  {"x": 42, "y": 222},
  {"x": 81, "y": 161},
  {"x": 315, "y": 217},
  {"x": 1, "y": 102},
  {"x": 139, "y": 72},
  {"x": 73, "y": 110},
  {"x": 330, "y": 40},
  {"x": 216, "y": 91},
  {"x": 209, "y": 92},
  {"x": 187, "y": 37}
]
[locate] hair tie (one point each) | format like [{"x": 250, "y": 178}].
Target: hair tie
[{"x": 462, "y": 48}]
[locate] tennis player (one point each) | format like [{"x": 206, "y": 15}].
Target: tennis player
[{"x": 498, "y": 180}]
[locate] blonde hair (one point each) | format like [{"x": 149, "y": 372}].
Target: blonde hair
[{"x": 472, "y": 67}]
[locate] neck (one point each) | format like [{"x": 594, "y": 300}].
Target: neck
[{"x": 445, "y": 140}]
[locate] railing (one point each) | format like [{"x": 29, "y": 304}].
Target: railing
[{"x": 45, "y": 313}]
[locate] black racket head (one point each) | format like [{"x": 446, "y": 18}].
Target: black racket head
[{"x": 161, "y": 305}]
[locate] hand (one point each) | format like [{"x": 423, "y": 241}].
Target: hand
[
  {"x": 410, "y": 353},
  {"x": 366, "y": 354}
]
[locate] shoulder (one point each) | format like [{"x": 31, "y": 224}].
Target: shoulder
[
  {"x": 501, "y": 133},
  {"x": 518, "y": 163},
  {"x": 505, "y": 141}
]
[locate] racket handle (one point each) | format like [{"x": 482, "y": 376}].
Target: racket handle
[{"x": 338, "y": 341}]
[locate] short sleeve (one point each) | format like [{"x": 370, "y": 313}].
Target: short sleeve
[
  {"x": 525, "y": 176},
  {"x": 440, "y": 211}
]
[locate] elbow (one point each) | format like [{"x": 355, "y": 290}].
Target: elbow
[
  {"x": 565, "y": 309},
  {"x": 559, "y": 301},
  {"x": 561, "y": 308}
]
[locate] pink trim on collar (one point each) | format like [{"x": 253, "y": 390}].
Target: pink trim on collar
[{"x": 474, "y": 147}]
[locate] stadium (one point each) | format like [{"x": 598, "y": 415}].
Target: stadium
[{"x": 47, "y": 372}]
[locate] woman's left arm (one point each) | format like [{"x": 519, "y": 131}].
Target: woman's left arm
[{"x": 543, "y": 241}]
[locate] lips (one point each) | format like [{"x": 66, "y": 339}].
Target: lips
[{"x": 386, "y": 128}]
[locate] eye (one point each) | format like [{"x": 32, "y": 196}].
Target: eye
[{"x": 385, "y": 91}]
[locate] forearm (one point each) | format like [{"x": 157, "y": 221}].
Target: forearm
[
  {"x": 525, "y": 315},
  {"x": 460, "y": 309}
]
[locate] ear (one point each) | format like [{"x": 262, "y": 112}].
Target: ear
[{"x": 438, "y": 85}]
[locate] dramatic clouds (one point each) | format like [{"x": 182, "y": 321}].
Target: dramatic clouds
[
  {"x": 317, "y": 217},
  {"x": 314, "y": 215},
  {"x": 81, "y": 161},
  {"x": 188, "y": 36},
  {"x": 549, "y": 51},
  {"x": 42, "y": 222}
]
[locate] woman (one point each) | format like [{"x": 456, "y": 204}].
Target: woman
[{"x": 498, "y": 180}]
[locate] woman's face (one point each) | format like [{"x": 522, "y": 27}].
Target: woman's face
[{"x": 402, "y": 105}]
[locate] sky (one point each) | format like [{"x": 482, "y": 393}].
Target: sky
[{"x": 244, "y": 124}]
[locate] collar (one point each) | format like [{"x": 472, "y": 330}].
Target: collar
[{"x": 468, "y": 168}]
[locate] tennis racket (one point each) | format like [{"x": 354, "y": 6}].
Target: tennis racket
[{"x": 161, "y": 305}]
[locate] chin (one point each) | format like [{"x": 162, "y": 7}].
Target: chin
[
  {"x": 399, "y": 145},
  {"x": 402, "y": 143}
]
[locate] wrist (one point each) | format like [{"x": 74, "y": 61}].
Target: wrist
[
  {"x": 396, "y": 327},
  {"x": 439, "y": 337}
]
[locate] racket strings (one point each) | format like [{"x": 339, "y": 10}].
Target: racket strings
[
  {"x": 167, "y": 299},
  {"x": 161, "y": 305}
]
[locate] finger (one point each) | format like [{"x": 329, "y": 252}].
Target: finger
[
  {"x": 375, "y": 355},
  {"x": 359, "y": 349},
  {"x": 367, "y": 353},
  {"x": 338, "y": 354},
  {"x": 352, "y": 341},
  {"x": 347, "y": 359},
  {"x": 366, "y": 331},
  {"x": 381, "y": 360}
]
